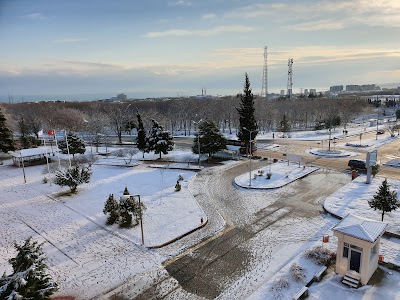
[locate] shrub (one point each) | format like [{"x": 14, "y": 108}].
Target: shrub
[
  {"x": 279, "y": 284},
  {"x": 178, "y": 186},
  {"x": 111, "y": 207},
  {"x": 297, "y": 272},
  {"x": 129, "y": 208},
  {"x": 375, "y": 170},
  {"x": 320, "y": 255},
  {"x": 72, "y": 177}
]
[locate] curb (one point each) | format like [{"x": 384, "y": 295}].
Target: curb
[
  {"x": 275, "y": 187},
  {"x": 388, "y": 233},
  {"x": 179, "y": 237}
]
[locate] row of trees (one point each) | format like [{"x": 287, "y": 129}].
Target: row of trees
[{"x": 98, "y": 118}]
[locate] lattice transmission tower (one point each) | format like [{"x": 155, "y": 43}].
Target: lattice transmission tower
[
  {"x": 290, "y": 78},
  {"x": 264, "y": 89}
]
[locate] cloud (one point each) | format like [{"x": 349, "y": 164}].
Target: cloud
[
  {"x": 34, "y": 16},
  {"x": 180, "y": 3},
  {"x": 206, "y": 32},
  {"x": 341, "y": 13},
  {"x": 217, "y": 60},
  {"x": 209, "y": 16},
  {"x": 317, "y": 25},
  {"x": 69, "y": 40}
]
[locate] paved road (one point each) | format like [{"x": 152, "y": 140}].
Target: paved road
[
  {"x": 213, "y": 265},
  {"x": 209, "y": 269}
]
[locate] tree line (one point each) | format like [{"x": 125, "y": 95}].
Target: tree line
[{"x": 96, "y": 120}]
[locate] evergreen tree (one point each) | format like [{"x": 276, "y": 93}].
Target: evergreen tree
[
  {"x": 129, "y": 208},
  {"x": 111, "y": 207},
  {"x": 141, "y": 135},
  {"x": 6, "y": 142},
  {"x": 284, "y": 125},
  {"x": 72, "y": 177},
  {"x": 75, "y": 144},
  {"x": 126, "y": 191},
  {"x": 384, "y": 200},
  {"x": 29, "y": 279},
  {"x": 210, "y": 139},
  {"x": 247, "y": 120},
  {"x": 160, "y": 140},
  {"x": 24, "y": 132}
]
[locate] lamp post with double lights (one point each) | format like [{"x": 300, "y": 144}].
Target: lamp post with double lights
[{"x": 250, "y": 132}]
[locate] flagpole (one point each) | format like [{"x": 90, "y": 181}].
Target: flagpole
[
  {"x": 47, "y": 157},
  {"x": 66, "y": 139},
  {"x": 58, "y": 151}
]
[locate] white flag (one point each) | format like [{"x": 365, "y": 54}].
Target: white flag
[{"x": 40, "y": 133}]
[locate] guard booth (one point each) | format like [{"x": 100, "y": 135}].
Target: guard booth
[{"x": 357, "y": 248}]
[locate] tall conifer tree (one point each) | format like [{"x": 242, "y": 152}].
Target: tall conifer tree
[
  {"x": 6, "y": 142},
  {"x": 246, "y": 114},
  {"x": 141, "y": 138}
]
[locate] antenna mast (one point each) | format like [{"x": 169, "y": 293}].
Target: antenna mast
[
  {"x": 264, "y": 89},
  {"x": 290, "y": 78}
]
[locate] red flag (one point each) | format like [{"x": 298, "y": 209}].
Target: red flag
[{"x": 50, "y": 132}]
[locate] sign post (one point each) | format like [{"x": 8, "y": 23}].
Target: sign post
[{"x": 372, "y": 157}]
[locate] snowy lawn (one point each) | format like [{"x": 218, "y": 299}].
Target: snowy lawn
[
  {"x": 85, "y": 256},
  {"x": 168, "y": 214},
  {"x": 353, "y": 198},
  {"x": 282, "y": 174}
]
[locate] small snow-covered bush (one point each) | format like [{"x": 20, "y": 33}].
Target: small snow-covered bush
[
  {"x": 44, "y": 180},
  {"x": 72, "y": 177},
  {"x": 119, "y": 153},
  {"x": 297, "y": 272},
  {"x": 178, "y": 186},
  {"x": 278, "y": 285},
  {"x": 180, "y": 177},
  {"x": 320, "y": 255}
]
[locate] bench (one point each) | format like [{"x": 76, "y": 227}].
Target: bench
[
  {"x": 320, "y": 273},
  {"x": 301, "y": 293}
]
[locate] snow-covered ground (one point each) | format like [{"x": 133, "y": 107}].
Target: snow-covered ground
[
  {"x": 87, "y": 258},
  {"x": 353, "y": 199}
]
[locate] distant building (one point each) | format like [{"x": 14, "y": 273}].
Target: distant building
[
  {"x": 282, "y": 92},
  {"x": 305, "y": 92},
  {"x": 122, "y": 97},
  {"x": 336, "y": 89},
  {"x": 353, "y": 88},
  {"x": 313, "y": 91}
]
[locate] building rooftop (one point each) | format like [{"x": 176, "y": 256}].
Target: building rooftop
[
  {"x": 361, "y": 228},
  {"x": 31, "y": 152}
]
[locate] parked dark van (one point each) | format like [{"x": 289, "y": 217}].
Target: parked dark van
[{"x": 357, "y": 164}]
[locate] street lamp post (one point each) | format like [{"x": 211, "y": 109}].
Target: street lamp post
[
  {"x": 377, "y": 122},
  {"x": 198, "y": 139},
  {"x": 141, "y": 217},
  {"x": 250, "y": 132}
]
